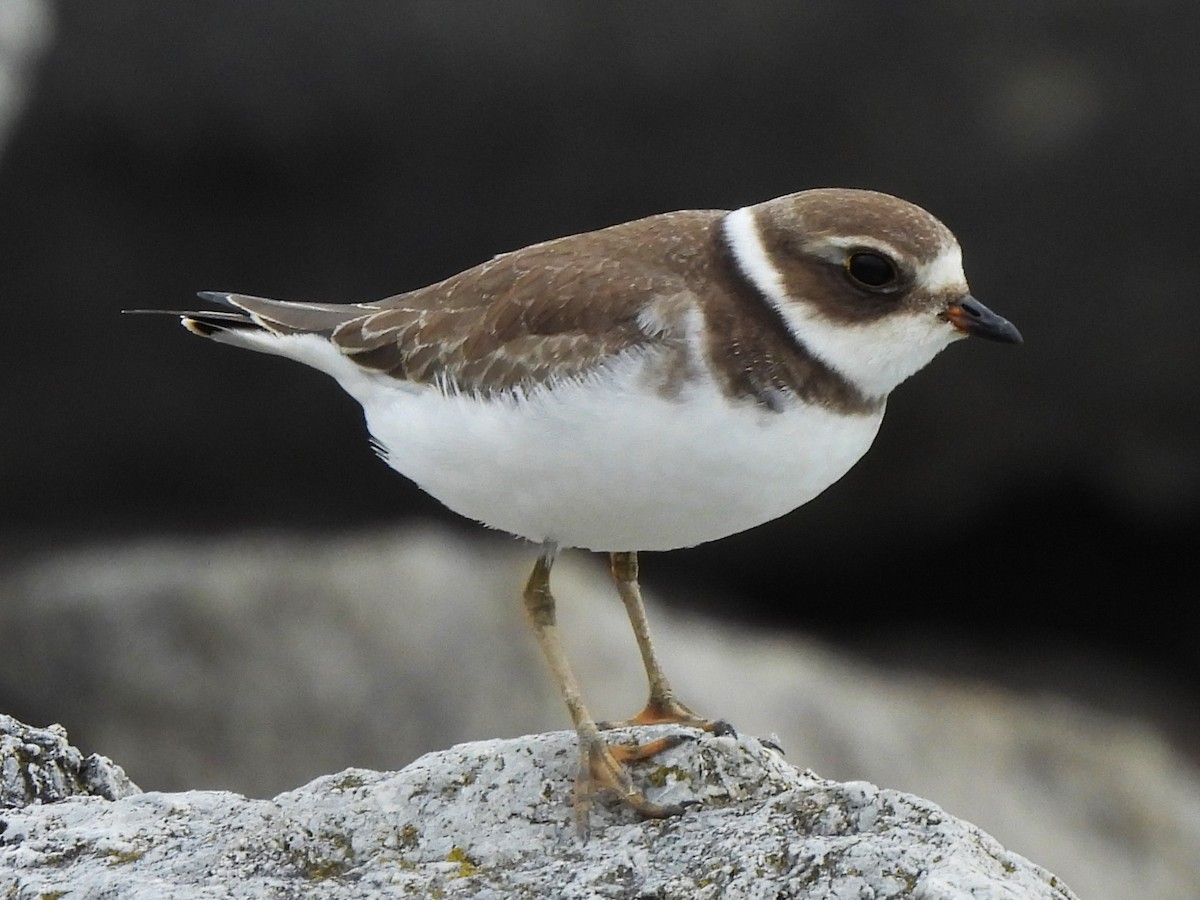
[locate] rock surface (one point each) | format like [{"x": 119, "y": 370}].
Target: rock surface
[
  {"x": 258, "y": 662},
  {"x": 38, "y": 765},
  {"x": 493, "y": 819}
]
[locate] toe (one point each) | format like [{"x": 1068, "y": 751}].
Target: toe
[{"x": 601, "y": 768}]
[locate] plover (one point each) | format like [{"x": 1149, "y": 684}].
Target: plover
[{"x": 648, "y": 386}]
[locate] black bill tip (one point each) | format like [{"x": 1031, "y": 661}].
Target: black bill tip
[{"x": 971, "y": 317}]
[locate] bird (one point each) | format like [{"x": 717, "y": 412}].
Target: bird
[{"x": 651, "y": 385}]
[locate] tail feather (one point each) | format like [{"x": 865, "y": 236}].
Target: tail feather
[
  {"x": 298, "y": 331},
  {"x": 206, "y": 324},
  {"x": 280, "y": 317},
  {"x": 284, "y": 317}
]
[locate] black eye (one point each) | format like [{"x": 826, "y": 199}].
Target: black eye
[{"x": 870, "y": 269}]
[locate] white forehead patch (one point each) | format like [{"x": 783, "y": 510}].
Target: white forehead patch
[
  {"x": 945, "y": 272},
  {"x": 876, "y": 355}
]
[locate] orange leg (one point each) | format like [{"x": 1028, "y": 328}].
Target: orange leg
[
  {"x": 662, "y": 706},
  {"x": 600, "y": 766}
]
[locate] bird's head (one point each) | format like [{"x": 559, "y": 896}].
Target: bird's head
[{"x": 869, "y": 283}]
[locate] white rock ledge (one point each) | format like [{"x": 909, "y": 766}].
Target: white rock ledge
[{"x": 493, "y": 819}]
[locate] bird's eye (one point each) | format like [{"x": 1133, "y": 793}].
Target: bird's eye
[{"x": 870, "y": 269}]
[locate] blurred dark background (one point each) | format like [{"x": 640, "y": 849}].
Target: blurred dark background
[{"x": 1029, "y": 514}]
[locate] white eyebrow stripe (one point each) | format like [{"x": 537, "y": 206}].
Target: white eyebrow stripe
[{"x": 855, "y": 242}]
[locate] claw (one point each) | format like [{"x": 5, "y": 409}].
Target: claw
[
  {"x": 721, "y": 728},
  {"x": 771, "y": 742}
]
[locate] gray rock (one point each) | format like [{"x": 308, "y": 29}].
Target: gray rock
[
  {"x": 38, "y": 765},
  {"x": 493, "y": 819},
  {"x": 259, "y": 662}
]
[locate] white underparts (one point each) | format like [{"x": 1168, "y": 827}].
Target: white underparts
[
  {"x": 609, "y": 463},
  {"x": 606, "y": 462}
]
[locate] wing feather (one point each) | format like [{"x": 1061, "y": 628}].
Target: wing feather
[{"x": 550, "y": 312}]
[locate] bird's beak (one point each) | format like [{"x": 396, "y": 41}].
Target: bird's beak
[{"x": 970, "y": 316}]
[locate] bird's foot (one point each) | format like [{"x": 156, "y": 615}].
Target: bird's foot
[
  {"x": 602, "y": 768},
  {"x": 669, "y": 711}
]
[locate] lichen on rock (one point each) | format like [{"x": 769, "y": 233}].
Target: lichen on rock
[{"x": 494, "y": 819}]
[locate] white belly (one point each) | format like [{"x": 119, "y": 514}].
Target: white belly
[{"x": 610, "y": 464}]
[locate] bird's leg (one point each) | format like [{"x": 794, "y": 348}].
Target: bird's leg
[
  {"x": 600, "y": 766},
  {"x": 662, "y": 707}
]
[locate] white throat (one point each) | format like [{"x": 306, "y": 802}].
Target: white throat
[{"x": 874, "y": 356}]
